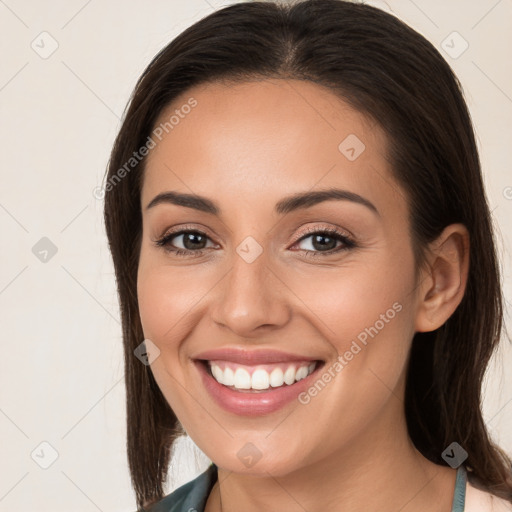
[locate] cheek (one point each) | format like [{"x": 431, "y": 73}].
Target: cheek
[
  {"x": 157, "y": 302},
  {"x": 163, "y": 300},
  {"x": 366, "y": 317},
  {"x": 358, "y": 302},
  {"x": 167, "y": 300}
]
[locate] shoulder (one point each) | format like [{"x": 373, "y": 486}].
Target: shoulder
[
  {"x": 478, "y": 500},
  {"x": 191, "y": 496}
]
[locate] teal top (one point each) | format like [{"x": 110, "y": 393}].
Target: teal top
[{"x": 192, "y": 496}]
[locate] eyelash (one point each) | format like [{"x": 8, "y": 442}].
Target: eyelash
[{"x": 348, "y": 243}]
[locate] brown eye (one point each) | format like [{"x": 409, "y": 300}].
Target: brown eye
[
  {"x": 193, "y": 242},
  {"x": 324, "y": 242}
]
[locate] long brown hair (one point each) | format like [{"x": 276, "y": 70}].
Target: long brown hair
[{"x": 392, "y": 74}]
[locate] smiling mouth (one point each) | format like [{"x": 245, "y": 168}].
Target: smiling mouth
[{"x": 259, "y": 378}]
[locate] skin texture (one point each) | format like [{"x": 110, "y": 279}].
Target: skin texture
[{"x": 246, "y": 146}]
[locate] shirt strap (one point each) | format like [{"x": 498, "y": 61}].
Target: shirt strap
[{"x": 459, "y": 496}]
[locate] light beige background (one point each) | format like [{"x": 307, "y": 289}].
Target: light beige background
[{"x": 61, "y": 366}]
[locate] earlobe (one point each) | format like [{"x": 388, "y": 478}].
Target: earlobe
[{"x": 444, "y": 284}]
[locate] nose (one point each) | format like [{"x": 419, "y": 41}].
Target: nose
[{"x": 251, "y": 299}]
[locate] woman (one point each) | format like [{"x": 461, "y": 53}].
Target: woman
[{"x": 306, "y": 268}]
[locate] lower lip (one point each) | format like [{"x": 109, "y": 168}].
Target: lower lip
[{"x": 254, "y": 403}]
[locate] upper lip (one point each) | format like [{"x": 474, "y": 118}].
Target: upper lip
[{"x": 251, "y": 357}]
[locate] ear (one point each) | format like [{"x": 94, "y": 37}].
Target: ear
[{"x": 443, "y": 282}]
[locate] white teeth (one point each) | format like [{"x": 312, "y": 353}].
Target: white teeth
[
  {"x": 229, "y": 377},
  {"x": 260, "y": 378},
  {"x": 289, "y": 375},
  {"x": 302, "y": 373},
  {"x": 276, "y": 378},
  {"x": 218, "y": 374},
  {"x": 242, "y": 379}
]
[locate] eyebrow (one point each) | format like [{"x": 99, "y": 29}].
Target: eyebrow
[{"x": 285, "y": 205}]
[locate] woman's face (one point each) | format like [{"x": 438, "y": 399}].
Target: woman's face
[{"x": 263, "y": 290}]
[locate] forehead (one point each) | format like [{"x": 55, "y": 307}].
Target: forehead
[{"x": 266, "y": 138}]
